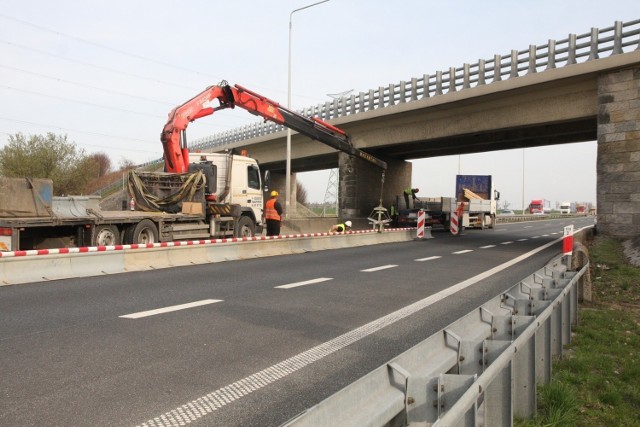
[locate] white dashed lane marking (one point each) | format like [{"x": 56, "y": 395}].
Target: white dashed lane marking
[
  {"x": 428, "y": 259},
  {"x": 306, "y": 282},
  {"x": 205, "y": 405},
  {"x": 487, "y": 247},
  {"x": 169, "y": 309},
  {"x": 462, "y": 252},
  {"x": 382, "y": 267},
  {"x": 506, "y": 243}
]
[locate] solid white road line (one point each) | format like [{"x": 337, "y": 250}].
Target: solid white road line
[
  {"x": 169, "y": 309},
  {"x": 307, "y": 282},
  {"x": 428, "y": 259},
  {"x": 203, "y": 406},
  {"x": 462, "y": 252},
  {"x": 382, "y": 267}
]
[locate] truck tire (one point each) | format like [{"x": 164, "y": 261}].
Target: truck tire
[
  {"x": 493, "y": 221},
  {"x": 142, "y": 233},
  {"x": 245, "y": 227},
  {"x": 105, "y": 235}
]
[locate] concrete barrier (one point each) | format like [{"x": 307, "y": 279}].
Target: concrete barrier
[{"x": 43, "y": 265}]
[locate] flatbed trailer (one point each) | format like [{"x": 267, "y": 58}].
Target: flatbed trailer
[
  {"x": 437, "y": 212},
  {"x": 33, "y": 219}
]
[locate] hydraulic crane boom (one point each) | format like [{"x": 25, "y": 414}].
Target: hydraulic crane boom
[{"x": 173, "y": 135}]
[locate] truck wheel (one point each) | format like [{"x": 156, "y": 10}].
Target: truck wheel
[
  {"x": 245, "y": 227},
  {"x": 142, "y": 233},
  {"x": 105, "y": 235}
]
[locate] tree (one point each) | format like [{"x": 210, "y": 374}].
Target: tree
[
  {"x": 103, "y": 163},
  {"x": 301, "y": 193},
  {"x": 50, "y": 156}
]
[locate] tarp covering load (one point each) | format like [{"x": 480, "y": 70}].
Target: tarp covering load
[
  {"x": 473, "y": 187},
  {"x": 165, "y": 192},
  {"x": 25, "y": 197}
]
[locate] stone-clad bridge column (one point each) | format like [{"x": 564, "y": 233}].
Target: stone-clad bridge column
[
  {"x": 618, "y": 165},
  {"x": 359, "y": 185}
]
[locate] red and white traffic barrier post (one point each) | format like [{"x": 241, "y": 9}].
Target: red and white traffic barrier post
[
  {"x": 455, "y": 225},
  {"x": 567, "y": 244},
  {"x": 422, "y": 230}
]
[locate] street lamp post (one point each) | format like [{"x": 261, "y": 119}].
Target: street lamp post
[{"x": 287, "y": 195}]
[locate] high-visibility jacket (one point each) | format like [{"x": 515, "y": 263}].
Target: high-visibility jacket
[{"x": 270, "y": 210}]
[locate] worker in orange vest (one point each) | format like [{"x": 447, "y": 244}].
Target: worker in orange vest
[{"x": 273, "y": 214}]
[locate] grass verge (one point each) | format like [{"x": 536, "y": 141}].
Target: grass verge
[{"x": 597, "y": 382}]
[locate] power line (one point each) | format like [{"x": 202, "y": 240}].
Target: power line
[
  {"x": 30, "y": 92},
  {"x": 122, "y": 52},
  {"x": 110, "y": 91},
  {"x": 100, "y": 67},
  {"x": 49, "y": 126}
]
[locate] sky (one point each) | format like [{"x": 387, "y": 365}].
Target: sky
[{"x": 107, "y": 74}]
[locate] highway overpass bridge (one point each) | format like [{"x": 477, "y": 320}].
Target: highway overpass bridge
[{"x": 583, "y": 88}]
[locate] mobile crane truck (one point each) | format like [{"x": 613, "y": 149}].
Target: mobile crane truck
[{"x": 198, "y": 196}]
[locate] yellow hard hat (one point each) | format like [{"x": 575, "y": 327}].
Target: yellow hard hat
[{"x": 274, "y": 193}]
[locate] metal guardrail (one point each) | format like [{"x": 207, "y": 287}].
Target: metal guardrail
[{"x": 480, "y": 370}]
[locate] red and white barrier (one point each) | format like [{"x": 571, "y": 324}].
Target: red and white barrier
[
  {"x": 453, "y": 225},
  {"x": 567, "y": 240},
  {"x": 421, "y": 221}
]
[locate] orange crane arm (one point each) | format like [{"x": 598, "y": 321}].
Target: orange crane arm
[{"x": 173, "y": 137}]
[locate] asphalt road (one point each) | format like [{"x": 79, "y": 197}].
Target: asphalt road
[{"x": 244, "y": 343}]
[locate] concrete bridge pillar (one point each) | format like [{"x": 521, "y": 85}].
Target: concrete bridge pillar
[
  {"x": 278, "y": 183},
  {"x": 360, "y": 185},
  {"x": 618, "y": 165}
]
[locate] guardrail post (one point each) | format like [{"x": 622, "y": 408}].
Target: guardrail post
[
  {"x": 403, "y": 92},
  {"x": 543, "y": 353},
  {"x": 481, "y": 72},
  {"x": 532, "y": 59},
  {"x": 498, "y": 404},
  {"x": 450, "y": 389},
  {"x": 414, "y": 89},
  {"x": 438, "y": 90},
  {"x": 571, "y": 50},
  {"x": 466, "y": 77},
  {"x": 617, "y": 38},
  {"x": 524, "y": 384},
  {"x": 594, "y": 45},
  {"x": 514, "y": 64},
  {"x": 452, "y": 79},
  {"x": 551, "y": 54},
  {"x": 371, "y": 105},
  {"x": 425, "y": 85},
  {"x": 497, "y": 68}
]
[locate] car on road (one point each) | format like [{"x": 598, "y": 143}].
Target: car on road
[{"x": 506, "y": 212}]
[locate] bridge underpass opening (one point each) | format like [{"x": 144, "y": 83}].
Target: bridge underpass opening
[{"x": 558, "y": 173}]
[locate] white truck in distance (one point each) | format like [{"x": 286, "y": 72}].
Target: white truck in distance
[{"x": 566, "y": 208}]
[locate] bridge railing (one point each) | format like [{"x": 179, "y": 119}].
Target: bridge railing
[{"x": 620, "y": 38}]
